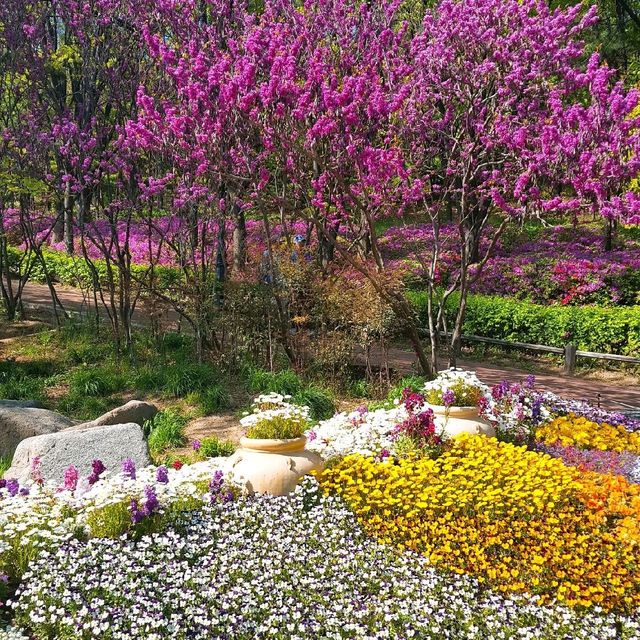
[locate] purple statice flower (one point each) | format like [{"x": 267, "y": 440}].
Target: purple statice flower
[
  {"x": 311, "y": 435},
  {"x": 448, "y": 398},
  {"x": 129, "y": 469},
  {"x": 150, "y": 506},
  {"x": 216, "y": 489},
  {"x": 162, "y": 475},
  {"x": 13, "y": 487},
  {"x": 151, "y": 502},
  {"x": 71, "y": 476},
  {"x": 137, "y": 512},
  {"x": 196, "y": 444},
  {"x": 97, "y": 469}
]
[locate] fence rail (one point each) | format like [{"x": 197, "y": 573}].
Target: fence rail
[{"x": 570, "y": 352}]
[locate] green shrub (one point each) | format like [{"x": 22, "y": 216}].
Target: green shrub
[
  {"x": 286, "y": 382},
  {"x": 150, "y": 379},
  {"x": 95, "y": 381},
  {"x": 5, "y": 463},
  {"x": 185, "y": 378},
  {"x": 213, "y": 399},
  {"x": 166, "y": 431},
  {"x": 215, "y": 448},
  {"x": 320, "y": 403},
  {"x": 590, "y": 328}
]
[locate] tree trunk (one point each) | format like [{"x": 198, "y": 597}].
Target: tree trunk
[
  {"x": 58, "y": 227},
  {"x": 239, "y": 239},
  {"x": 609, "y": 232},
  {"x": 68, "y": 221}
]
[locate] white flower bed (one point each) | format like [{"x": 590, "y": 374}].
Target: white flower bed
[
  {"x": 296, "y": 567},
  {"x": 366, "y": 432}
]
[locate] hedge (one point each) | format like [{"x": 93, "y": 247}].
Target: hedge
[
  {"x": 590, "y": 328},
  {"x": 73, "y": 271}
]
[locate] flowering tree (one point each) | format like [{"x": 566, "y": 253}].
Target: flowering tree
[
  {"x": 507, "y": 120},
  {"x": 205, "y": 163}
]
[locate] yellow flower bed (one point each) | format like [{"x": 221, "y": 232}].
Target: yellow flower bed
[
  {"x": 580, "y": 432},
  {"x": 515, "y": 519}
]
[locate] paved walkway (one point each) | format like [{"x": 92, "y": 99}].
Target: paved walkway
[{"x": 608, "y": 395}]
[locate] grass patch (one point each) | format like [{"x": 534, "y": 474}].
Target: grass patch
[
  {"x": 319, "y": 401},
  {"x": 96, "y": 381},
  {"x": 213, "y": 399},
  {"x": 215, "y": 448},
  {"x": 185, "y": 378},
  {"x": 166, "y": 431},
  {"x": 5, "y": 464},
  {"x": 286, "y": 382}
]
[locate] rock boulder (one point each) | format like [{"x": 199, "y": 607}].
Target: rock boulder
[
  {"x": 109, "y": 443},
  {"x": 134, "y": 411},
  {"x": 20, "y": 422}
]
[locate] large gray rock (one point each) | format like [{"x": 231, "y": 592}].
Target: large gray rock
[
  {"x": 21, "y": 404},
  {"x": 109, "y": 443},
  {"x": 134, "y": 411},
  {"x": 18, "y": 423}
]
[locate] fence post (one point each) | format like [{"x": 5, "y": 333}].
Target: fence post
[{"x": 570, "y": 358}]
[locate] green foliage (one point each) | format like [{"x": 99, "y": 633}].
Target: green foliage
[
  {"x": 286, "y": 382},
  {"x": 215, "y": 448},
  {"x": 5, "y": 463},
  {"x": 166, "y": 431},
  {"x": 96, "y": 382},
  {"x": 185, "y": 378},
  {"x": 590, "y": 328},
  {"x": 320, "y": 403},
  {"x": 109, "y": 521},
  {"x": 84, "y": 407},
  {"x": 150, "y": 378},
  {"x": 278, "y": 428},
  {"x": 415, "y": 383},
  {"x": 213, "y": 399},
  {"x": 24, "y": 380}
]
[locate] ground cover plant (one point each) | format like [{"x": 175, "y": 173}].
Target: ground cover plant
[{"x": 469, "y": 537}]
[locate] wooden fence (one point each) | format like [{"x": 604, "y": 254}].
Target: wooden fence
[{"x": 570, "y": 352}]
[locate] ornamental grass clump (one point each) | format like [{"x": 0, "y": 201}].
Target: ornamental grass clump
[{"x": 517, "y": 520}]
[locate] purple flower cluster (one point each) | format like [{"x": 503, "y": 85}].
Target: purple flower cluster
[
  {"x": 564, "y": 264},
  {"x": 149, "y": 506},
  {"x": 561, "y": 406},
  {"x": 129, "y": 469},
  {"x": 217, "y": 490},
  {"x": 162, "y": 475},
  {"x": 97, "y": 468},
  {"x": 623, "y": 463}
]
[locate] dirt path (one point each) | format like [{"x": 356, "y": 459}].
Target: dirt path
[{"x": 616, "y": 395}]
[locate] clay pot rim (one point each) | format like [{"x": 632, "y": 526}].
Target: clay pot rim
[
  {"x": 274, "y": 445},
  {"x": 454, "y": 410}
]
